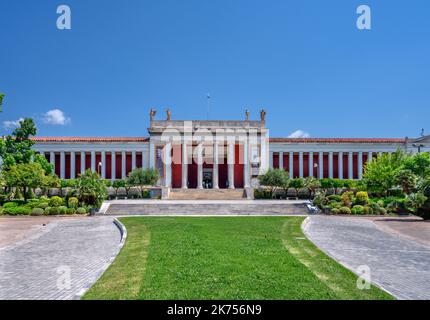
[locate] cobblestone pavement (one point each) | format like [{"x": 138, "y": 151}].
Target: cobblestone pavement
[
  {"x": 398, "y": 265},
  {"x": 59, "y": 262}
]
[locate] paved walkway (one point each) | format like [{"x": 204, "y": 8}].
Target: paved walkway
[
  {"x": 399, "y": 265},
  {"x": 60, "y": 261}
]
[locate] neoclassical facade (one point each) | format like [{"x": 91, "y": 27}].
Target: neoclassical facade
[{"x": 217, "y": 154}]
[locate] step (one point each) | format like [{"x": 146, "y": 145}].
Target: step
[
  {"x": 206, "y": 194},
  {"x": 206, "y": 208}
]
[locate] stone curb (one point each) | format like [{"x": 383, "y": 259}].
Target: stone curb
[
  {"x": 304, "y": 226},
  {"x": 123, "y": 232}
]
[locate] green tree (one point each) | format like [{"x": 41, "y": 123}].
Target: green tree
[
  {"x": 274, "y": 179},
  {"x": 418, "y": 164},
  {"x": 118, "y": 183},
  {"x": 312, "y": 185},
  {"x": 50, "y": 181},
  {"x": 1, "y": 101},
  {"x": 415, "y": 201},
  {"x": 380, "y": 174},
  {"x": 47, "y": 167},
  {"x": 90, "y": 189},
  {"x": 25, "y": 176},
  {"x": 142, "y": 178},
  {"x": 407, "y": 180},
  {"x": 16, "y": 148},
  {"x": 297, "y": 184}
]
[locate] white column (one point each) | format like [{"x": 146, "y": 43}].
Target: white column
[
  {"x": 62, "y": 165},
  {"x": 369, "y": 156},
  {"x": 321, "y": 165},
  {"x": 133, "y": 160},
  {"x": 82, "y": 162},
  {"x": 52, "y": 159},
  {"x": 113, "y": 165},
  {"x": 103, "y": 168},
  {"x": 291, "y": 165},
  {"x": 216, "y": 161},
  {"x": 281, "y": 160},
  {"x": 330, "y": 165},
  {"x": 200, "y": 166},
  {"x": 350, "y": 166},
  {"x": 311, "y": 164},
  {"x": 340, "y": 165},
  {"x": 360, "y": 165},
  {"x": 151, "y": 155},
  {"x": 230, "y": 161},
  {"x": 184, "y": 166},
  {"x": 93, "y": 161},
  {"x": 123, "y": 162},
  {"x": 72, "y": 165},
  {"x": 168, "y": 164},
  {"x": 301, "y": 164},
  {"x": 246, "y": 169},
  {"x": 271, "y": 160}
]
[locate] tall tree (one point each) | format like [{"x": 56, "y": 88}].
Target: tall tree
[
  {"x": 1, "y": 101},
  {"x": 16, "y": 148}
]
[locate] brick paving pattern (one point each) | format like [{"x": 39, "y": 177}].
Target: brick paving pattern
[
  {"x": 37, "y": 268},
  {"x": 399, "y": 265}
]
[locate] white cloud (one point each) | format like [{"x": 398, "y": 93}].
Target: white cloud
[
  {"x": 55, "y": 117},
  {"x": 9, "y": 124},
  {"x": 299, "y": 134}
]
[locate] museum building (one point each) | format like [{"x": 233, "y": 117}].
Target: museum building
[{"x": 217, "y": 154}]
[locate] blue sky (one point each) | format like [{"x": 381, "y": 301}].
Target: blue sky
[{"x": 304, "y": 61}]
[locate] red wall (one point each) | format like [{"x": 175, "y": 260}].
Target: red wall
[
  {"x": 276, "y": 160},
  {"x": 239, "y": 167},
  {"x": 177, "y": 166}
]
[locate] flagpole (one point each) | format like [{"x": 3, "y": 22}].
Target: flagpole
[{"x": 208, "y": 107}]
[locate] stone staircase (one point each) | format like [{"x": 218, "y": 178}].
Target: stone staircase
[
  {"x": 206, "y": 207},
  {"x": 206, "y": 194}
]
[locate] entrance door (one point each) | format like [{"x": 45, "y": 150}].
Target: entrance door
[{"x": 208, "y": 178}]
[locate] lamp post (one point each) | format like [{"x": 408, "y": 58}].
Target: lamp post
[
  {"x": 316, "y": 167},
  {"x": 99, "y": 166},
  {"x": 418, "y": 146}
]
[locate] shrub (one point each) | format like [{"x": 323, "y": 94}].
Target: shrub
[
  {"x": 334, "y": 197},
  {"x": 358, "y": 209},
  {"x": 320, "y": 200},
  {"x": 71, "y": 211},
  {"x": 42, "y": 205},
  {"x": 55, "y": 201},
  {"x": 345, "y": 210},
  {"x": 62, "y": 210},
  {"x": 262, "y": 194},
  {"x": 335, "y": 211},
  {"x": 37, "y": 212},
  {"x": 368, "y": 210},
  {"x": 53, "y": 211},
  {"x": 362, "y": 198},
  {"x": 47, "y": 210},
  {"x": 73, "y": 202},
  {"x": 334, "y": 204},
  {"x": 347, "y": 198},
  {"x": 32, "y": 203},
  {"x": 18, "y": 210},
  {"x": 8, "y": 205},
  {"x": 375, "y": 207},
  {"x": 382, "y": 211},
  {"x": 146, "y": 194},
  {"x": 81, "y": 210}
]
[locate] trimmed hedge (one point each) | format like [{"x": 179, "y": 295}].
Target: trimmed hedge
[
  {"x": 56, "y": 201},
  {"x": 81, "y": 210},
  {"x": 37, "y": 212}
]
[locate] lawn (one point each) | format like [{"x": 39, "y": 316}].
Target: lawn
[{"x": 224, "y": 258}]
